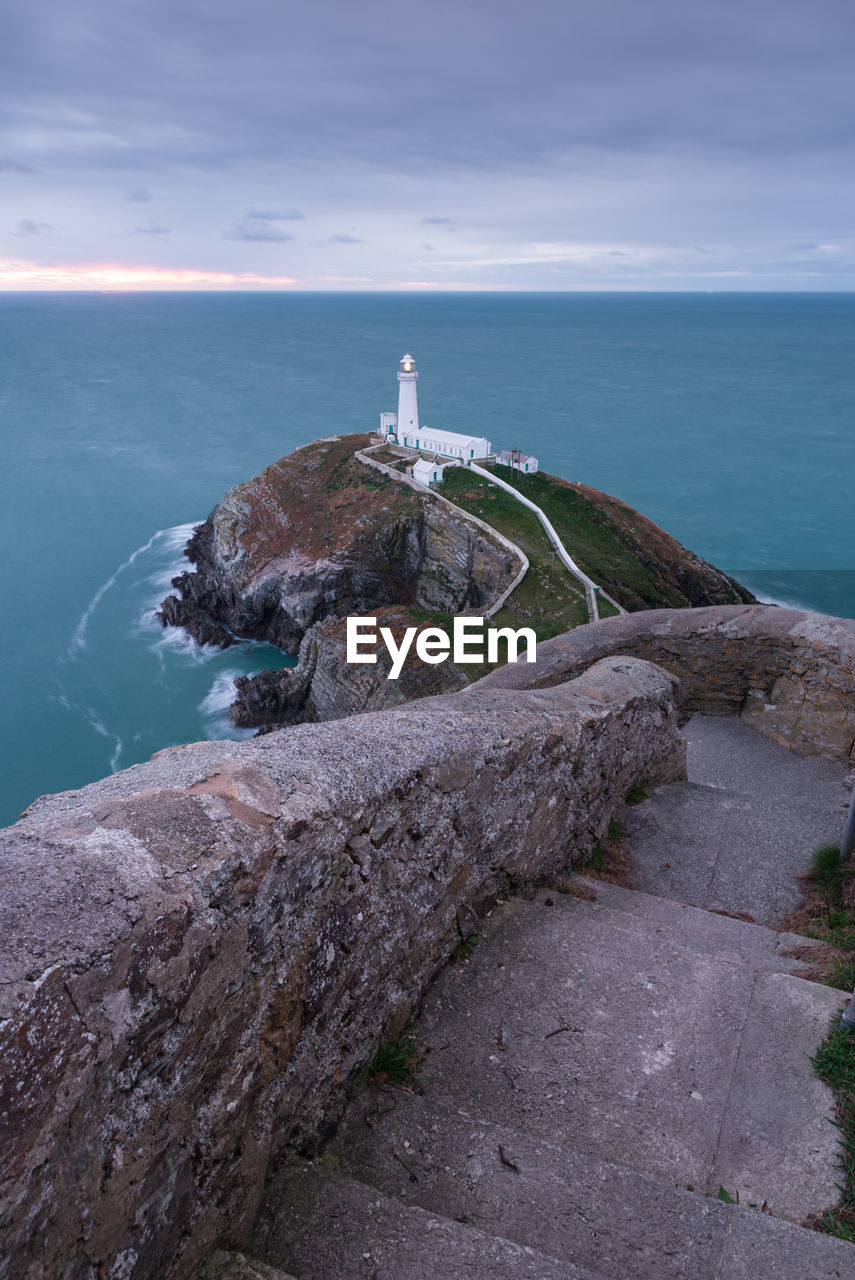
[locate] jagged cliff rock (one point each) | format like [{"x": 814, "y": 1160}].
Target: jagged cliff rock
[
  {"x": 324, "y": 686},
  {"x": 317, "y": 533}
]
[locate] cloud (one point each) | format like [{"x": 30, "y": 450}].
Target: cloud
[
  {"x": 344, "y": 240},
  {"x": 258, "y": 226},
  {"x": 27, "y": 227},
  {"x": 283, "y": 215},
  {"x": 152, "y": 228},
  {"x": 727, "y": 124},
  {"x": 35, "y": 275}
]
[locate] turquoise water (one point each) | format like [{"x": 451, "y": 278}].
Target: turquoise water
[{"x": 728, "y": 419}]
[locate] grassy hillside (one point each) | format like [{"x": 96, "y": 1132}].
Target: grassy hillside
[
  {"x": 549, "y": 598},
  {"x": 638, "y": 563}
]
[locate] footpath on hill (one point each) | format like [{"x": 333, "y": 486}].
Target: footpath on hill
[{"x": 611, "y": 1082}]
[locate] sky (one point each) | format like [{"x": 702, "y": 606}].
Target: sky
[{"x": 472, "y": 144}]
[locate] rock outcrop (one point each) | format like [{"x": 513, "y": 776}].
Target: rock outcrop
[
  {"x": 645, "y": 567},
  {"x": 316, "y": 534},
  {"x": 325, "y": 686}
]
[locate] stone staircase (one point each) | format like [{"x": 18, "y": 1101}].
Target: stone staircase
[{"x": 601, "y": 1065}]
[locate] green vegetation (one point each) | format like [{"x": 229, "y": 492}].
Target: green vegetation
[
  {"x": 596, "y": 860},
  {"x": 549, "y": 599},
  {"x": 395, "y": 1062},
  {"x": 635, "y": 795},
  {"x": 616, "y": 829},
  {"x": 835, "y": 1064},
  {"x": 830, "y": 914},
  {"x": 596, "y": 541},
  {"x": 464, "y": 949}
]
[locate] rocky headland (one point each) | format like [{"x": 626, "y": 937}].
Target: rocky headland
[{"x": 286, "y": 556}]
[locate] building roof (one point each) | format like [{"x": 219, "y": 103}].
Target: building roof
[
  {"x": 507, "y": 454},
  {"x": 455, "y": 438}
]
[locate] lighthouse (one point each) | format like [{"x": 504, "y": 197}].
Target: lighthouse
[{"x": 408, "y": 409}]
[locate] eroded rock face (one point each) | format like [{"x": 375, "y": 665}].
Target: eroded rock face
[
  {"x": 788, "y": 673},
  {"x": 325, "y": 686},
  {"x": 317, "y": 534},
  {"x": 196, "y": 953}
]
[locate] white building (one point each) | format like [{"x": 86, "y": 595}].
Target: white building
[
  {"x": 519, "y": 461},
  {"x": 403, "y": 426},
  {"x": 429, "y": 472}
]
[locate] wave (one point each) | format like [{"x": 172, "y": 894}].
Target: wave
[
  {"x": 173, "y": 538},
  {"x": 100, "y": 728},
  {"x": 215, "y": 707},
  {"x": 221, "y": 694}
]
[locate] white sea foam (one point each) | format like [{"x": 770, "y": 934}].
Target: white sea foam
[
  {"x": 178, "y": 536},
  {"x": 175, "y": 641},
  {"x": 215, "y": 708},
  {"x": 792, "y": 603},
  {"x": 100, "y": 728},
  {"x": 97, "y": 725},
  {"x": 172, "y": 539},
  {"x": 221, "y": 694}
]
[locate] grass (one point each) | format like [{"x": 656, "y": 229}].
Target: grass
[
  {"x": 609, "y": 859},
  {"x": 829, "y": 915},
  {"x": 549, "y": 599},
  {"x": 395, "y": 1062},
  {"x": 835, "y": 1064},
  {"x": 594, "y": 541},
  {"x": 596, "y": 860},
  {"x": 464, "y": 949},
  {"x": 636, "y": 794}
]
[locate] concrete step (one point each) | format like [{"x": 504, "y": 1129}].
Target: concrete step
[
  {"x": 563, "y": 1203},
  {"x": 739, "y": 832},
  {"x": 328, "y": 1227},
  {"x": 713, "y": 933},
  {"x": 602, "y": 1064},
  {"x": 614, "y": 1035}
]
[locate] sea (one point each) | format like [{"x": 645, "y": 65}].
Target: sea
[{"x": 727, "y": 418}]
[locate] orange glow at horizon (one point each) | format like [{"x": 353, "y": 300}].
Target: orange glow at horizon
[{"x": 105, "y": 276}]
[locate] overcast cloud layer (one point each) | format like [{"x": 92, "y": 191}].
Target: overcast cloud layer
[{"x": 476, "y": 144}]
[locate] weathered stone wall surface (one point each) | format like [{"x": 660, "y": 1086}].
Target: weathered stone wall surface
[
  {"x": 787, "y": 673},
  {"x": 197, "y": 952}
]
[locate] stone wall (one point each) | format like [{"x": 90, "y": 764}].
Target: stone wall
[
  {"x": 788, "y": 673},
  {"x": 199, "y": 951}
]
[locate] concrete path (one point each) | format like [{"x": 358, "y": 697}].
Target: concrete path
[{"x": 600, "y": 1066}]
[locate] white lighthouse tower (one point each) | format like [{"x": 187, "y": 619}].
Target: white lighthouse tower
[{"x": 408, "y": 409}]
